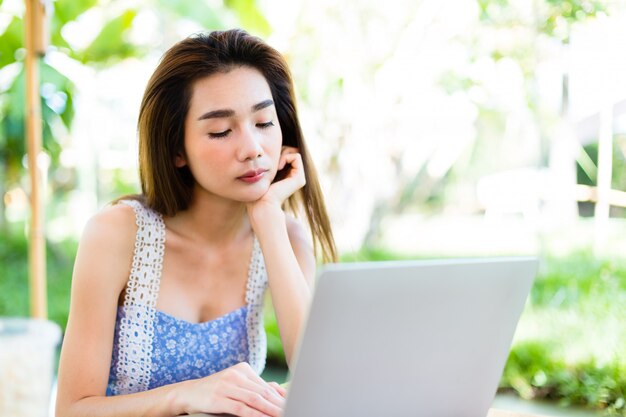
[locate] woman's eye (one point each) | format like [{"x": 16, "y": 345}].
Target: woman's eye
[
  {"x": 265, "y": 125},
  {"x": 220, "y": 134}
]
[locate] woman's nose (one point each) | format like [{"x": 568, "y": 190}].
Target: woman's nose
[{"x": 250, "y": 146}]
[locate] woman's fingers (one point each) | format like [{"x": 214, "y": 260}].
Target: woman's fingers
[
  {"x": 254, "y": 391},
  {"x": 240, "y": 409},
  {"x": 289, "y": 149},
  {"x": 286, "y": 150},
  {"x": 266, "y": 402},
  {"x": 295, "y": 179},
  {"x": 258, "y": 386},
  {"x": 280, "y": 389},
  {"x": 297, "y": 167},
  {"x": 261, "y": 382}
]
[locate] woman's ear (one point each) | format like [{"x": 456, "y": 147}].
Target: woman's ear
[{"x": 180, "y": 161}]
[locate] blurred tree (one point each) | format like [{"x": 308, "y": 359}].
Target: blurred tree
[
  {"x": 112, "y": 43},
  {"x": 525, "y": 29},
  {"x": 56, "y": 88},
  {"x": 548, "y": 26}
]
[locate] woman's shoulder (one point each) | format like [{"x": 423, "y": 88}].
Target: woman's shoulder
[
  {"x": 114, "y": 225},
  {"x": 105, "y": 251}
]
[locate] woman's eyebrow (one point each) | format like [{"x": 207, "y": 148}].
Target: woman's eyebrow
[
  {"x": 262, "y": 105},
  {"x": 215, "y": 114}
]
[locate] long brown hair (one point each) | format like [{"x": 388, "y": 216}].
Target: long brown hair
[{"x": 168, "y": 189}]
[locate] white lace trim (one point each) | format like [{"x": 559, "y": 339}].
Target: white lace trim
[
  {"x": 137, "y": 326},
  {"x": 136, "y": 332},
  {"x": 255, "y": 291}
]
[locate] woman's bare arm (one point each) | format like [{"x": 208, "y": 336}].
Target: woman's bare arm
[
  {"x": 288, "y": 254},
  {"x": 290, "y": 265}
]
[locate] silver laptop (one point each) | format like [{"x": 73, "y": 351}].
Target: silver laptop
[{"x": 408, "y": 338}]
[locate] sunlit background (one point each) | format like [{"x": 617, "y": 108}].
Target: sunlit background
[{"x": 439, "y": 128}]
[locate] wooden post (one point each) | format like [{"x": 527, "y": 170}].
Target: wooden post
[{"x": 35, "y": 47}]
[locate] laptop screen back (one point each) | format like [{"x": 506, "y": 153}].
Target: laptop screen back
[{"x": 408, "y": 338}]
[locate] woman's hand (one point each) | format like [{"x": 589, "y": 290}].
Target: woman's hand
[
  {"x": 292, "y": 181},
  {"x": 283, "y": 188},
  {"x": 237, "y": 390}
]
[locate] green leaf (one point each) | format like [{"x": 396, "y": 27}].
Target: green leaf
[
  {"x": 68, "y": 10},
  {"x": 17, "y": 96},
  {"x": 13, "y": 146},
  {"x": 58, "y": 40},
  {"x": 68, "y": 115},
  {"x": 64, "y": 88},
  {"x": 56, "y": 106},
  {"x": 111, "y": 44},
  {"x": 65, "y": 11},
  {"x": 10, "y": 41},
  {"x": 250, "y": 16},
  {"x": 571, "y": 11},
  {"x": 196, "y": 11}
]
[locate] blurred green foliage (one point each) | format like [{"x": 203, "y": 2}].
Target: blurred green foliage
[
  {"x": 14, "y": 277},
  {"x": 56, "y": 89},
  {"x": 275, "y": 352},
  {"x": 553, "y": 17},
  {"x": 535, "y": 370},
  {"x": 587, "y": 172},
  {"x": 586, "y": 296}
]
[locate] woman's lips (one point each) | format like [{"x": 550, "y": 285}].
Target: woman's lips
[{"x": 252, "y": 176}]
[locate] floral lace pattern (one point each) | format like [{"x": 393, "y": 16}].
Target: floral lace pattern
[
  {"x": 136, "y": 329},
  {"x": 257, "y": 283},
  {"x": 152, "y": 348}
]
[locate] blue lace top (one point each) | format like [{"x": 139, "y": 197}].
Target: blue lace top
[
  {"x": 189, "y": 350},
  {"x": 152, "y": 348}
]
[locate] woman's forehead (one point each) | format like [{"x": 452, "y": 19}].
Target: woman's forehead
[{"x": 238, "y": 89}]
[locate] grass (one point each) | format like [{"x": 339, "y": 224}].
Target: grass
[
  {"x": 571, "y": 340},
  {"x": 535, "y": 370},
  {"x": 570, "y": 346}
]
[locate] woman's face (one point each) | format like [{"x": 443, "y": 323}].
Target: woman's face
[{"x": 232, "y": 136}]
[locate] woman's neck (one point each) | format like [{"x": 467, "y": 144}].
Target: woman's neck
[{"x": 211, "y": 220}]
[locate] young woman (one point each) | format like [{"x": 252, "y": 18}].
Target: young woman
[{"x": 167, "y": 292}]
